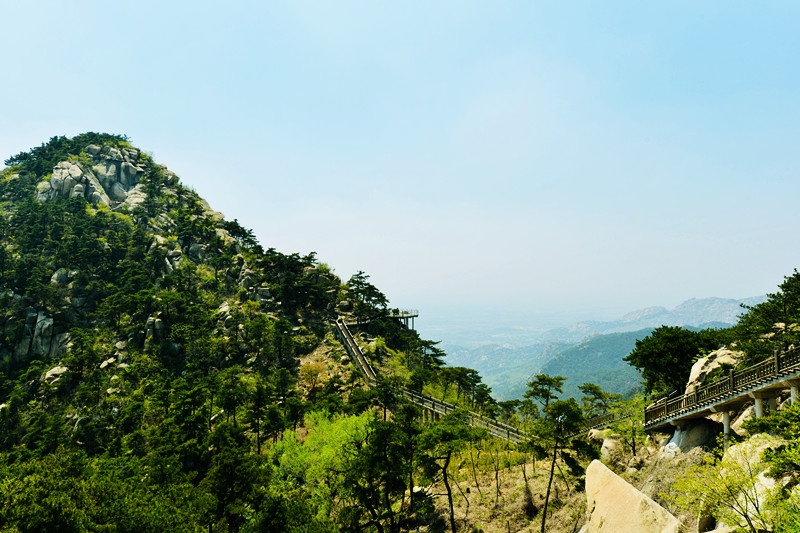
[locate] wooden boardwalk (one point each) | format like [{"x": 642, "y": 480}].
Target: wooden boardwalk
[
  {"x": 754, "y": 384},
  {"x": 438, "y": 408},
  {"x": 426, "y": 403}
]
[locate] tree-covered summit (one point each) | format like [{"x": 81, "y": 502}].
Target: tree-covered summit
[
  {"x": 157, "y": 362},
  {"x": 41, "y": 160},
  {"x": 143, "y": 337}
]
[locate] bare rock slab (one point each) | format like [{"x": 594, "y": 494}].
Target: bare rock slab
[{"x": 615, "y": 506}]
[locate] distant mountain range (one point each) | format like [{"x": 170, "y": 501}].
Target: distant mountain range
[{"x": 588, "y": 351}]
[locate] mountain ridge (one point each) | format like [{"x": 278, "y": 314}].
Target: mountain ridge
[
  {"x": 506, "y": 368},
  {"x": 696, "y": 312}
]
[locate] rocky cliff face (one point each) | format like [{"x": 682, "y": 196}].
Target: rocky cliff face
[
  {"x": 111, "y": 177},
  {"x": 39, "y": 338}
]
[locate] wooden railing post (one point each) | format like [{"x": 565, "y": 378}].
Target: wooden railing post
[{"x": 776, "y": 357}]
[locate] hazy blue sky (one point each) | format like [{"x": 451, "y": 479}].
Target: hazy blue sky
[{"x": 576, "y": 159}]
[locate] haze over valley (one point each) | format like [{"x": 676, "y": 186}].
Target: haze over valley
[{"x": 507, "y": 357}]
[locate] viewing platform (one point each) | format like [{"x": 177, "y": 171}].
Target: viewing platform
[
  {"x": 405, "y": 315},
  {"x": 762, "y": 382}
]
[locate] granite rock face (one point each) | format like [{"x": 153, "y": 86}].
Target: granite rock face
[
  {"x": 41, "y": 338},
  {"x": 111, "y": 178},
  {"x": 704, "y": 367},
  {"x": 615, "y": 506},
  {"x": 693, "y": 434}
]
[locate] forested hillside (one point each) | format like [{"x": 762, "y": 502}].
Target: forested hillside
[
  {"x": 150, "y": 348},
  {"x": 160, "y": 370},
  {"x": 598, "y": 359}
]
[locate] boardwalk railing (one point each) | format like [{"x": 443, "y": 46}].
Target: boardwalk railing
[
  {"x": 495, "y": 428},
  {"x": 734, "y": 384},
  {"x": 354, "y": 350},
  {"x": 403, "y": 313}
]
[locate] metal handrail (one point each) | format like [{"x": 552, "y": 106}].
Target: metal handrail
[{"x": 403, "y": 313}]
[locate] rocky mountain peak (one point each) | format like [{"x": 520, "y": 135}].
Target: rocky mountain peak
[{"x": 107, "y": 176}]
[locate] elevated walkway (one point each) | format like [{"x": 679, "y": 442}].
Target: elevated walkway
[
  {"x": 437, "y": 408},
  {"x": 763, "y": 381},
  {"x": 405, "y": 315},
  {"x": 428, "y": 404}
]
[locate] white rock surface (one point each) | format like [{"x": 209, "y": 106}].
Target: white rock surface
[
  {"x": 706, "y": 365},
  {"x": 615, "y": 506},
  {"x": 54, "y": 374}
]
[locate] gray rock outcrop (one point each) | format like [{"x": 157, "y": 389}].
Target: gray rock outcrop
[
  {"x": 54, "y": 374},
  {"x": 695, "y": 433},
  {"x": 40, "y": 338},
  {"x": 111, "y": 178},
  {"x": 703, "y": 367},
  {"x": 69, "y": 180},
  {"x": 615, "y": 506}
]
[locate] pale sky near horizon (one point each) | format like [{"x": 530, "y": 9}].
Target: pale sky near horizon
[{"x": 509, "y": 161}]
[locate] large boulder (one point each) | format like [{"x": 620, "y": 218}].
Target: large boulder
[
  {"x": 693, "y": 434},
  {"x": 704, "y": 366},
  {"x": 615, "y": 506}
]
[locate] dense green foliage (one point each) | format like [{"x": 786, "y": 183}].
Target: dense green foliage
[
  {"x": 174, "y": 339},
  {"x": 665, "y": 356},
  {"x": 41, "y": 160},
  {"x": 152, "y": 375}
]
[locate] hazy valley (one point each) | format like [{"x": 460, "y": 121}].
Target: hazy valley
[{"x": 586, "y": 351}]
